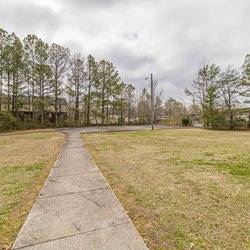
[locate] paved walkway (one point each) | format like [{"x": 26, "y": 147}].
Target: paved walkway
[{"x": 76, "y": 208}]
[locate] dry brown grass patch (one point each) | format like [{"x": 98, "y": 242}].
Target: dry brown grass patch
[
  {"x": 183, "y": 189},
  {"x": 25, "y": 162}
]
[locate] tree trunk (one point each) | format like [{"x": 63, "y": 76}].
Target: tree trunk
[
  {"x": 33, "y": 95},
  {"x": 231, "y": 121},
  {"x": 85, "y": 109},
  {"x": 77, "y": 110},
  {"x": 8, "y": 76},
  {"x": 13, "y": 94},
  {"x": 129, "y": 113},
  {"x": 1, "y": 91},
  {"x": 16, "y": 95},
  {"x": 42, "y": 112},
  {"x": 107, "y": 111},
  {"x": 121, "y": 113},
  {"x": 249, "y": 119},
  {"x": 56, "y": 102},
  {"x": 88, "y": 99},
  {"x": 103, "y": 106},
  {"x": 42, "y": 101},
  {"x": 77, "y": 102}
]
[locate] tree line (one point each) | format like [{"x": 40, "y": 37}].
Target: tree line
[
  {"x": 39, "y": 77},
  {"x": 222, "y": 95},
  {"x": 56, "y": 88}
]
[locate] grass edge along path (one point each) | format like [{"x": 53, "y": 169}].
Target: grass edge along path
[{"x": 25, "y": 163}]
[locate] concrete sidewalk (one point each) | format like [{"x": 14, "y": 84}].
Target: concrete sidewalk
[{"x": 76, "y": 208}]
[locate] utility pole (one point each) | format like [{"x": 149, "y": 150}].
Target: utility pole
[{"x": 152, "y": 102}]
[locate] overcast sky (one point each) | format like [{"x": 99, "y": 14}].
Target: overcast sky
[{"x": 166, "y": 37}]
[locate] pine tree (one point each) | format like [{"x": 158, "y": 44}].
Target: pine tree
[
  {"x": 230, "y": 89},
  {"x": 59, "y": 63},
  {"x": 206, "y": 92},
  {"x": 76, "y": 81},
  {"x": 130, "y": 98},
  {"x": 106, "y": 79},
  {"x": 30, "y": 42},
  {"x": 3, "y": 43},
  {"x": 17, "y": 54},
  {"x": 246, "y": 78},
  {"x": 91, "y": 76},
  {"x": 42, "y": 77}
]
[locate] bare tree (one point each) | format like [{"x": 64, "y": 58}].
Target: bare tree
[
  {"x": 130, "y": 97},
  {"x": 175, "y": 111}
]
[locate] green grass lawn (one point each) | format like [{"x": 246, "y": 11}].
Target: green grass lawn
[
  {"x": 183, "y": 189},
  {"x": 25, "y": 162}
]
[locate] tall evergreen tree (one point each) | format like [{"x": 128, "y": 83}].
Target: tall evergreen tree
[
  {"x": 230, "y": 89},
  {"x": 76, "y": 81},
  {"x": 130, "y": 97},
  {"x": 105, "y": 81},
  {"x": 120, "y": 99},
  {"x": 30, "y": 42},
  {"x": 59, "y": 63},
  {"x": 246, "y": 82},
  {"x": 91, "y": 76},
  {"x": 8, "y": 55},
  {"x": 246, "y": 78},
  {"x": 3, "y": 43},
  {"x": 42, "y": 77},
  {"x": 17, "y": 54},
  {"x": 206, "y": 92}
]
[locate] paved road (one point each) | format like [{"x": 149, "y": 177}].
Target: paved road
[
  {"x": 76, "y": 208},
  {"x": 98, "y": 129}
]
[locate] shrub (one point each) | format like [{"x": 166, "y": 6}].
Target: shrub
[
  {"x": 185, "y": 121},
  {"x": 7, "y": 121}
]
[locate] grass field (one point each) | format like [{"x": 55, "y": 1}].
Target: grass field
[
  {"x": 183, "y": 189},
  {"x": 25, "y": 162}
]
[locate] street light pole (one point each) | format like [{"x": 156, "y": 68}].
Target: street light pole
[{"x": 152, "y": 102}]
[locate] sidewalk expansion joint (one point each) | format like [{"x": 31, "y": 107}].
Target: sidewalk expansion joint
[
  {"x": 66, "y": 175},
  {"x": 70, "y": 193},
  {"x": 72, "y": 235},
  {"x": 69, "y": 147}
]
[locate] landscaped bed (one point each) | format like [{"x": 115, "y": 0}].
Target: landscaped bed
[
  {"x": 25, "y": 162},
  {"x": 183, "y": 189}
]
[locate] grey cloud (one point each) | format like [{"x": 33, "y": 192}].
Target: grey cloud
[
  {"x": 130, "y": 36},
  {"x": 83, "y": 5},
  {"x": 74, "y": 46},
  {"x": 27, "y": 18},
  {"x": 128, "y": 60},
  {"x": 168, "y": 38}
]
